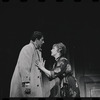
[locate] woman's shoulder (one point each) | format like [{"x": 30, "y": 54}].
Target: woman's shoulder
[{"x": 63, "y": 59}]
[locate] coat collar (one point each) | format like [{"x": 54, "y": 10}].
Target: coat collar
[{"x": 36, "y": 47}]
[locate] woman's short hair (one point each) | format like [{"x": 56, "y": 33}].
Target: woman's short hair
[
  {"x": 61, "y": 48},
  {"x": 36, "y": 35}
]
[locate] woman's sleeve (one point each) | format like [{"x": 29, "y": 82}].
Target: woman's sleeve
[{"x": 59, "y": 69}]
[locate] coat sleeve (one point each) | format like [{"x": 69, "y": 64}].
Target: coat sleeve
[
  {"x": 59, "y": 70},
  {"x": 24, "y": 62}
]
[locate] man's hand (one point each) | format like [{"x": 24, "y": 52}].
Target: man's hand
[
  {"x": 26, "y": 87},
  {"x": 27, "y": 91}
]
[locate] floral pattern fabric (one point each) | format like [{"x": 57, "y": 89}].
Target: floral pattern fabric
[{"x": 68, "y": 86}]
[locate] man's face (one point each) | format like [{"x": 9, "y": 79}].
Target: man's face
[
  {"x": 40, "y": 42},
  {"x": 54, "y": 51}
]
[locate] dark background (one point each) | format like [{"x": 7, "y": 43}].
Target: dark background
[{"x": 76, "y": 24}]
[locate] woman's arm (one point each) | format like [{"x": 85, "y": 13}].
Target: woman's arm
[
  {"x": 58, "y": 71},
  {"x": 47, "y": 72},
  {"x": 41, "y": 65}
]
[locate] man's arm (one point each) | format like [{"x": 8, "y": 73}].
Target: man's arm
[{"x": 24, "y": 63}]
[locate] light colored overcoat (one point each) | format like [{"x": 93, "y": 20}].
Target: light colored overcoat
[{"x": 26, "y": 71}]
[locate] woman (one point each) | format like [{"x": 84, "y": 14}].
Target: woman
[{"x": 65, "y": 84}]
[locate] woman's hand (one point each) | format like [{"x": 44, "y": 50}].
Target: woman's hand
[{"x": 40, "y": 64}]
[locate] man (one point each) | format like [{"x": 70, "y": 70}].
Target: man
[{"x": 27, "y": 79}]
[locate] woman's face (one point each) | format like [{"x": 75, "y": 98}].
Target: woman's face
[{"x": 54, "y": 51}]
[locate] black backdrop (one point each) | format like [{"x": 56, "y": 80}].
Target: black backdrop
[{"x": 76, "y": 24}]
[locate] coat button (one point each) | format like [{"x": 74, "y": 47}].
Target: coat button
[
  {"x": 37, "y": 85},
  {"x": 38, "y": 76}
]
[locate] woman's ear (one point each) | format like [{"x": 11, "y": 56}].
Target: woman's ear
[{"x": 59, "y": 50}]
